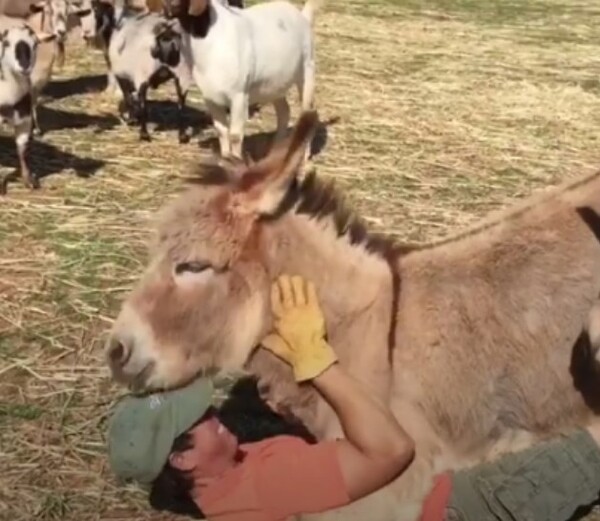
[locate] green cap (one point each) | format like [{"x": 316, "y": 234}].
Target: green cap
[{"x": 143, "y": 428}]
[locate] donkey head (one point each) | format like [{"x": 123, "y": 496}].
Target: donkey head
[{"x": 203, "y": 300}]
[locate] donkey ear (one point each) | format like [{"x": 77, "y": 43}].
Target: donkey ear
[
  {"x": 197, "y": 7},
  {"x": 261, "y": 188}
]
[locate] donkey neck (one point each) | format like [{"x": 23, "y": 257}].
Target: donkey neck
[{"x": 354, "y": 286}]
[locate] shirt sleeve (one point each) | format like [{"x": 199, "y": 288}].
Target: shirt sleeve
[
  {"x": 434, "y": 506},
  {"x": 297, "y": 477}
]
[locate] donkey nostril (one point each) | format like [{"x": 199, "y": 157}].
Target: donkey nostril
[
  {"x": 119, "y": 354},
  {"x": 116, "y": 352}
]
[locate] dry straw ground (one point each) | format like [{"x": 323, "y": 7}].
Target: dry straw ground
[{"x": 447, "y": 109}]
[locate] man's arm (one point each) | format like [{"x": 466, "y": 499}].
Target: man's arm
[{"x": 376, "y": 449}]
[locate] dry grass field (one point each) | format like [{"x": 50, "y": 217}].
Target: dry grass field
[{"x": 440, "y": 111}]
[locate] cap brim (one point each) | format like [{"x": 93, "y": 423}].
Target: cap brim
[{"x": 190, "y": 403}]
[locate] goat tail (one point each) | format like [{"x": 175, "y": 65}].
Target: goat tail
[{"x": 310, "y": 9}]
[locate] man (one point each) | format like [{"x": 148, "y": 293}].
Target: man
[{"x": 174, "y": 439}]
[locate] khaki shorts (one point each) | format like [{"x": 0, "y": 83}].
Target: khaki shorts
[{"x": 548, "y": 482}]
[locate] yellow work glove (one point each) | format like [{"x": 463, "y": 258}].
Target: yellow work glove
[{"x": 299, "y": 328}]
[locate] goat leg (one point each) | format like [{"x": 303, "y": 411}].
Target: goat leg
[
  {"x": 238, "y": 116},
  {"x": 282, "y": 111},
  {"x": 37, "y": 131},
  {"x": 112, "y": 80},
  {"x": 183, "y": 137},
  {"x": 4, "y": 179},
  {"x": 143, "y": 112},
  {"x": 22, "y": 121},
  {"x": 126, "y": 103},
  {"x": 60, "y": 58},
  {"x": 22, "y": 139},
  {"x": 219, "y": 117}
]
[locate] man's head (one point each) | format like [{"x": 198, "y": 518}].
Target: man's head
[
  {"x": 202, "y": 445},
  {"x": 212, "y": 450},
  {"x": 143, "y": 431}
]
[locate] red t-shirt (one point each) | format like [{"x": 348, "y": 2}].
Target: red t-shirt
[
  {"x": 279, "y": 477},
  {"x": 284, "y": 476},
  {"x": 434, "y": 506}
]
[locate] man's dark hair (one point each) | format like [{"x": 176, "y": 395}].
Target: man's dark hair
[
  {"x": 171, "y": 489},
  {"x": 247, "y": 416}
]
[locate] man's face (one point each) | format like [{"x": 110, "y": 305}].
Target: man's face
[{"x": 213, "y": 451}]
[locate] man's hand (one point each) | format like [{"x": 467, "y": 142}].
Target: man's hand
[
  {"x": 299, "y": 328},
  {"x": 376, "y": 448}
]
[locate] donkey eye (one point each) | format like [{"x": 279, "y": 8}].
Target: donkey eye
[{"x": 191, "y": 267}]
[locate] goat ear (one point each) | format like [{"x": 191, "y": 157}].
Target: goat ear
[
  {"x": 262, "y": 187},
  {"x": 197, "y": 7},
  {"x": 80, "y": 12},
  {"x": 37, "y": 7},
  {"x": 45, "y": 37},
  {"x": 173, "y": 24}
]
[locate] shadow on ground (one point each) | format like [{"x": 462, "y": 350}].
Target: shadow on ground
[
  {"x": 59, "y": 89},
  {"x": 257, "y": 146},
  {"x": 161, "y": 113},
  {"x": 46, "y": 160},
  {"x": 51, "y": 119}
]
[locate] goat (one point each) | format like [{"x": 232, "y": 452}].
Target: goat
[
  {"x": 54, "y": 14},
  {"x": 106, "y": 13},
  {"x": 241, "y": 57},
  {"x": 81, "y": 12},
  {"x": 144, "y": 52},
  {"x": 40, "y": 19},
  {"x": 18, "y": 53}
]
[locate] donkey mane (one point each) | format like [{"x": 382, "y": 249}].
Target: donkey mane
[
  {"x": 512, "y": 213},
  {"x": 316, "y": 198},
  {"x": 321, "y": 199}
]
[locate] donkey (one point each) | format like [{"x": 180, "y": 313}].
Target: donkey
[{"x": 469, "y": 340}]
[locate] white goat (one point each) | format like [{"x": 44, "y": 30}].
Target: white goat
[
  {"x": 248, "y": 56},
  {"x": 18, "y": 54},
  {"x": 144, "y": 52},
  {"x": 81, "y": 13}
]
